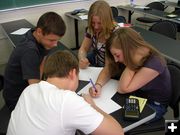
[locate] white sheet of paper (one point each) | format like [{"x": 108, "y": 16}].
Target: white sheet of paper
[
  {"x": 20, "y": 31},
  {"x": 83, "y": 17},
  {"x": 90, "y": 72},
  {"x": 104, "y": 101}
]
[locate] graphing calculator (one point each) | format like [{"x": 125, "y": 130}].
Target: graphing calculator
[{"x": 131, "y": 109}]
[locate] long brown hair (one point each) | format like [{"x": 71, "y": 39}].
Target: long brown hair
[
  {"x": 128, "y": 40},
  {"x": 101, "y": 9}
]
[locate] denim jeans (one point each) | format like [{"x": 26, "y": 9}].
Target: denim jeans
[
  {"x": 159, "y": 108},
  {"x": 92, "y": 58}
]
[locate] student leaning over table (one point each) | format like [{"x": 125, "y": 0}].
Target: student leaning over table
[
  {"x": 100, "y": 26},
  {"x": 52, "y": 107},
  {"x": 142, "y": 69},
  {"x": 23, "y": 67}
]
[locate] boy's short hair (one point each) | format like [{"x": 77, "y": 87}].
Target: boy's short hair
[
  {"x": 59, "y": 64},
  {"x": 51, "y": 23}
]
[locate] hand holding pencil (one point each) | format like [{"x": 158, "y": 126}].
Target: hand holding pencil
[{"x": 95, "y": 90}]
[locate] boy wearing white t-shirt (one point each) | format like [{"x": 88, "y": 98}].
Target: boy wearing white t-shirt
[{"x": 52, "y": 107}]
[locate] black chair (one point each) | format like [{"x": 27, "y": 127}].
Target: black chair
[
  {"x": 118, "y": 18},
  {"x": 153, "y": 5},
  {"x": 4, "y": 119},
  {"x": 1, "y": 82},
  {"x": 177, "y": 12},
  {"x": 174, "y": 104},
  {"x": 174, "y": 70},
  {"x": 166, "y": 28},
  {"x": 4, "y": 113}
]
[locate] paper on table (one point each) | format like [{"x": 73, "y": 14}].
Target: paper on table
[
  {"x": 83, "y": 17},
  {"x": 21, "y": 31},
  {"x": 90, "y": 72},
  {"x": 104, "y": 101}
]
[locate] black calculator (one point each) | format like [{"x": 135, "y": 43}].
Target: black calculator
[{"x": 131, "y": 109}]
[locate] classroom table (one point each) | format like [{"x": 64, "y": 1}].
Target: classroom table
[
  {"x": 109, "y": 92},
  {"x": 147, "y": 114},
  {"x": 76, "y": 18},
  {"x": 150, "y": 12},
  {"x": 167, "y": 46}
]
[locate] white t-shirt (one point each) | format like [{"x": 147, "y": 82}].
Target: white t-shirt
[{"x": 43, "y": 109}]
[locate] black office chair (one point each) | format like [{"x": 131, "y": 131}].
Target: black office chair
[
  {"x": 118, "y": 18},
  {"x": 153, "y": 5},
  {"x": 177, "y": 12},
  {"x": 1, "y": 82},
  {"x": 4, "y": 119},
  {"x": 174, "y": 70},
  {"x": 4, "y": 113},
  {"x": 166, "y": 28}
]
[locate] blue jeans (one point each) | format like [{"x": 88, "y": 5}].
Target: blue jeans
[
  {"x": 159, "y": 108},
  {"x": 92, "y": 58}
]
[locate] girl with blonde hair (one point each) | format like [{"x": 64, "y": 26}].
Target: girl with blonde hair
[{"x": 100, "y": 26}]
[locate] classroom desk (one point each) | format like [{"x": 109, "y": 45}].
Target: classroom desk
[
  {"x": 111, "y": 94},
  {"x": 9, "y": 27},
  {"x": 76, "y": 18},
  {"x": 151, "y": 12},
  {"x": 167, "y": 46},
  {"x": 146, "y": 115}
]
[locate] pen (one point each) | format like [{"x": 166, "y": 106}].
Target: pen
[{"x": 93, "y": 84}]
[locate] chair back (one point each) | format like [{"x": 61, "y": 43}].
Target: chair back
[
  {"x": 4, "y": 119},
  {"x": 174, "y": 70},
  {"x": 114, "y": 11},
  {"x": 156, "y": 5},
  {"x": 118, "y": 18},
  {"x": 166, "y": 28},
  {"x": 1, "y": 82}
]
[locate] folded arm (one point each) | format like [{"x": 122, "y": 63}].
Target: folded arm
[{"x": 131, "y": 81}]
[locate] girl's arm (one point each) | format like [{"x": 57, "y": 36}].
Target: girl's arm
[{"x": 131, "y": 81}]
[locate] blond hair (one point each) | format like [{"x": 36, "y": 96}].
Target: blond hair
[{"x": 101, "y": 9}]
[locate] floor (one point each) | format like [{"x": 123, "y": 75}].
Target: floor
[{"x": 5, "y": 50}]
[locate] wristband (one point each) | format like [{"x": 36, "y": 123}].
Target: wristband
[{"x": 98, "y": 84}]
